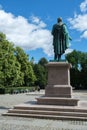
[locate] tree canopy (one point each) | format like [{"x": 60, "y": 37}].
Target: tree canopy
[
  {"x": 41, "y": 72},
  {"x": 15, "y": 68},
  {"x": 78, "y": 71}
]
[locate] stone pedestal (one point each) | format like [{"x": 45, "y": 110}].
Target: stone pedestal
[
  {"x": 58, "y": 80},
  {"x": 58, "y": 90}
]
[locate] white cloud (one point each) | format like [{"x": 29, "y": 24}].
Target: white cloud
[
  {"x": 37, "y": 21},
  {"x": 84, "y": 35},
  {"x": 83, "y": 6},
  {"x": 68, "y": 51},
  {"x": 79, "y": 21},
  {"x": 28, "y": 35}
]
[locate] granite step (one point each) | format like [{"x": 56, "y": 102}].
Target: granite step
[
  {"x": 49, "y": 111},
  {"x": 57, "y": 101},
  {"x": 51, "y": 108},
  {"x": 47, "y": 116},
  {"x": 44, "y": 112}
]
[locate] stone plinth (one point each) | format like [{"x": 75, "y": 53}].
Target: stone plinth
[
  {"x": 58, "y": 90},
  {"x": 58, "y": 73},
  {"x": 57, "y": 101},
  {"x": 58, "y": 80}
]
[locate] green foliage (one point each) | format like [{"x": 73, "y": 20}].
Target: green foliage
[
  {"x": 2, "y": 90},
  {"x": 43, "y": 61},
  {"x": 78, "y": 71},
  {"x": 26, "y": 68},
  {"x": 15, "y": 69},
  {"x": 74, "y": 59},
  {"x": 41, "y": 73},
  {"x": 10, "y": 73},
  {"x": 21, "y": 89}
]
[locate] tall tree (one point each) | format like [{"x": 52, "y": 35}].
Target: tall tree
[
  {"x": 10, "y": 74},
  {"x": 79, "y": 69},
  {"x": 43, "y": 61},
  {"x": 26, "y": 68},
  {"x": 41, "y": 73}
]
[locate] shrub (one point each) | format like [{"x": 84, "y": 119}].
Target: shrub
[{"x": 2, "y": 90}]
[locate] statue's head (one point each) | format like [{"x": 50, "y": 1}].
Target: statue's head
[{"x": 59, "y": 19}]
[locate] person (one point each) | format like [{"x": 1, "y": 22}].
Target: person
[{"x": 61, "y": 38}]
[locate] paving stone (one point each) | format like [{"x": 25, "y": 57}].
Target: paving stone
[{"x": 17, "y": 123}]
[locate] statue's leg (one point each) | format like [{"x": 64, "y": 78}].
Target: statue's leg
[
  {"x": 55, "y": 57},
  {"x": 59, "y": 57}
]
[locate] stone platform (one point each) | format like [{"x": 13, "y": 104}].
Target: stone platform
[
  {"x": 50, "y": 111},
  {"x": 58, "y": 90},
  {"x": 57, "y": 101}
]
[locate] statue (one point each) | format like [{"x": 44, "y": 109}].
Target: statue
[{"x": 60, "y": 38}]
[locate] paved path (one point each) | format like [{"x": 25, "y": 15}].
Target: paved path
[{"x": 17, "y": 123}]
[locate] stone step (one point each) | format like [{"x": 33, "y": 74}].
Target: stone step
[
  {"x": 47, "y": 116},
  {"x": 49, "y": 111},
  {"x": 41, "y": 112},
  {"x": 51, "y": 108},
  {"x": 57, "y": 101}
]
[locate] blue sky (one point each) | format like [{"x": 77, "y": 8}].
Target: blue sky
[{"x": 28, "y": 24}]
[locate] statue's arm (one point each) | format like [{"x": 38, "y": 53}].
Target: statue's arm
[
  {"x": 53, "y": 30},
  {"x": 66, "y": 31}
]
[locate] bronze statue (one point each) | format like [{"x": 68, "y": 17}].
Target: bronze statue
[{"x": 60, "y": 39}]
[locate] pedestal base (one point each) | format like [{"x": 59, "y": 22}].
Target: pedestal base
[
  {"x": 58, "y": 91},
  {"x": 57, "y": 101}
]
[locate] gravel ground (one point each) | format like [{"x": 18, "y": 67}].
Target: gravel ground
[{"x": 17, "y": 123}]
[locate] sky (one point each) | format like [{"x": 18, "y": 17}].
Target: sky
[{"x": 28, "y": 24}]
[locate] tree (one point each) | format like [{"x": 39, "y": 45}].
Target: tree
[
  {"x": 78, "y": 72},
  {"x": 15, "y": 68},
  {"x": 41, "y": 73},
  {"x": 10, "y": 74},
  {"x": 26, "y": 68},
  {"x": 83, "y": 74},
  {"x": 74, "y": 59},
  {"x": 43, "y": 61}
]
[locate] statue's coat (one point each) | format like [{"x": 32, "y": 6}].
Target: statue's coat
[{"x": 60, "y": 38}]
